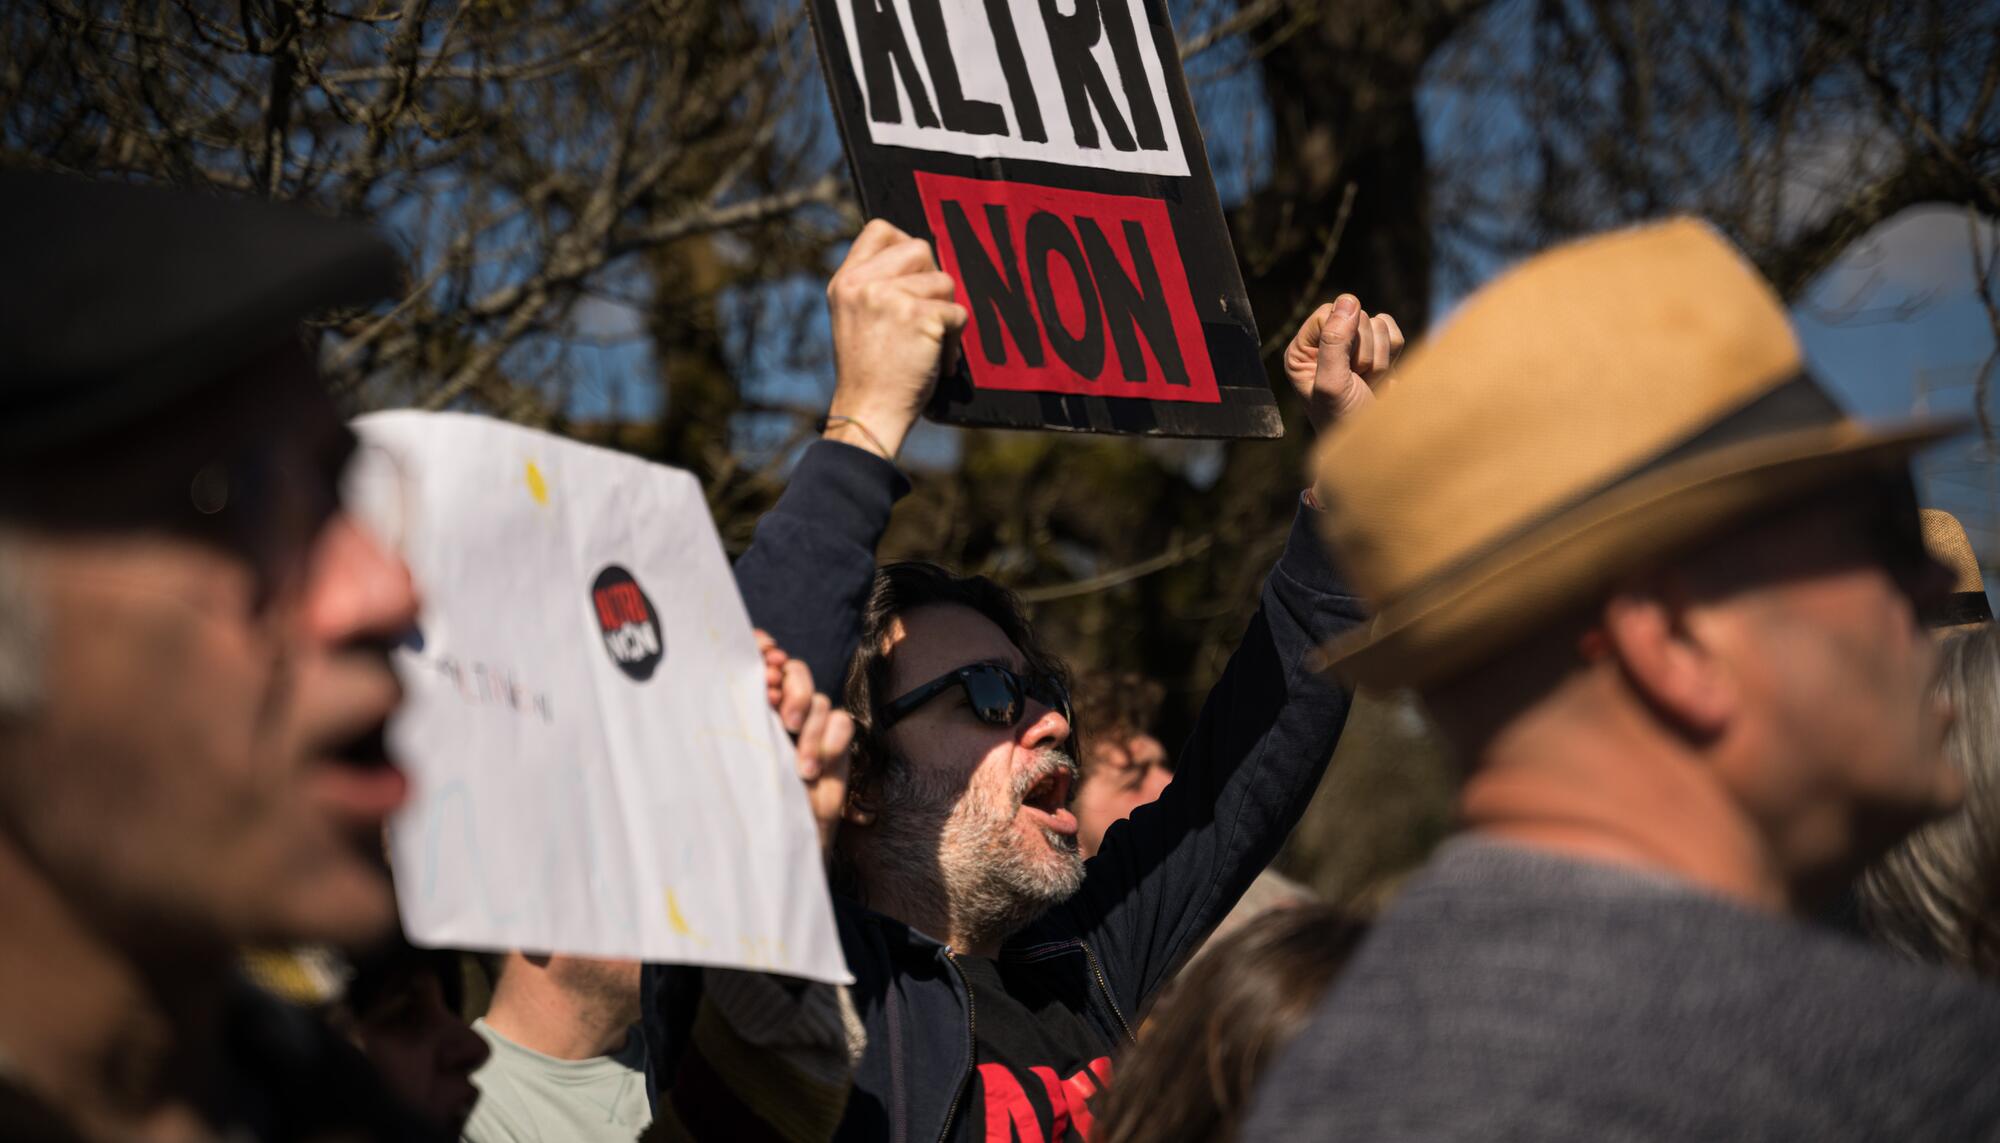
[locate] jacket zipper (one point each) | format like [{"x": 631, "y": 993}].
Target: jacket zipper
[
  {"x": 971, "y": 1042},
  {"x": 1105, "y": 987}
]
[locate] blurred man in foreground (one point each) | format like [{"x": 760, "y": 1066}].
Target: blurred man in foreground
[
  {"x": 194, "y": 646},
  {"x": 1665, "y": 601}
]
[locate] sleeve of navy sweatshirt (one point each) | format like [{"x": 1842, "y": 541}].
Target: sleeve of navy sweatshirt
[
  {"x": 1168, "y": 874},
  {"x": 811, "y": 562}
]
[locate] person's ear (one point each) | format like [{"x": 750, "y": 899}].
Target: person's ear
[{"x": 1665, "y": 659}]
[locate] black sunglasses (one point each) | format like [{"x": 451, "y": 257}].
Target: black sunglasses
[{"x": 994, "y": 693}]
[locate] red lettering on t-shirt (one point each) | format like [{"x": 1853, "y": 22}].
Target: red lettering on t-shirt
[
  {"x": 1011, "y": 1118},
  {"x": 1081, "y": 1087},
  {"x": 1058, "y": 1100}
]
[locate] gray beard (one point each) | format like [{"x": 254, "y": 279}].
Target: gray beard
[{"x": 968, "y": 853}]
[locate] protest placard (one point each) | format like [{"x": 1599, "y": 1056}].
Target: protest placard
[
  {"x": 596, "y": 769},
  {"x": 1053, "y": 159}
]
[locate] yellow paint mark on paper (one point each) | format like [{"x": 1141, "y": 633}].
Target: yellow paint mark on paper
[
  {"x": 537, "y": 487},
  {"x": 675, "y": 919}
]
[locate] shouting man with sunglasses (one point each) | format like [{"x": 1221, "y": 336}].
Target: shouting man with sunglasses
[{"x": 997, "y": 971}]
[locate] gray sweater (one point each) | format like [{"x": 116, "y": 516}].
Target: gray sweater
[{"x": 1512, "y": 994}]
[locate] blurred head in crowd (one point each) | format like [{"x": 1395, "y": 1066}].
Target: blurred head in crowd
[
  {"x": 1966, "y": 607},
  {"x": 959, "y": 819},
  {"x": 193, "y": 635},
  {"x": 1936, "y": 896},
  {"x": 1221, "y": 1022},
  {"x": 1689, "y": 636},
  {"x": 569, "y": 1007},
  {"x": 196, "y": 634},
  {"x": 402, "y": 1009},
  {"x": 193, "y": 749},
  {"x": 1124, "y": 766}
]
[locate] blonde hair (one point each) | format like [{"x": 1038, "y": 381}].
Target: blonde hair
[{"x": 1936, "y": 896}]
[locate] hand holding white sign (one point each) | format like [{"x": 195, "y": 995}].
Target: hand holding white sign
[
  {"x": 597, "y": 764},
  {"x": 822, "y": 733}
]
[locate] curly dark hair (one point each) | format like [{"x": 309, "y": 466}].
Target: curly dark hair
[
  {"x": 388, "y": 971},
  {"x": 1120, "y": 704},
  {"x": 902, "y": 587}
]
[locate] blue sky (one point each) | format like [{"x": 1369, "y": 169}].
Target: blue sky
[
  {"x": 1896, "y": 315},
  {"x": 1899, "y": 303},
  {"x": 1896, "y": 318}
]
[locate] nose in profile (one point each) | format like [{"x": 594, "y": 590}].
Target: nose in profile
[
  {"x": 1044, "y": 727},
  {"x": 359, "y": 589}
]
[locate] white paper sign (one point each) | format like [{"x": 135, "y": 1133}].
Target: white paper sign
[
  {"x": 596, "y": 769},
  {"x": 1077, "y": 82}
]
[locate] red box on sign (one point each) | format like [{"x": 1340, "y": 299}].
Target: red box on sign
[{"x": 1070, "y": 291}]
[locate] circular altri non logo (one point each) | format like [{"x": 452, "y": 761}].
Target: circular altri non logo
[{"x": 626, "y": 619}]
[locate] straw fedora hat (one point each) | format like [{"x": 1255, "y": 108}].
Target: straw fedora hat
[
  {"x": 1597, "y": 406},
  {"x": 1947, "y": 541}
]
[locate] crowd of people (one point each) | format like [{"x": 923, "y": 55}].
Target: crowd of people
[{"x": 1725, "y": 702}]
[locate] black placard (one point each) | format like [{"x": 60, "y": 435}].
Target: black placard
[{"x": 1054, "y": 161}]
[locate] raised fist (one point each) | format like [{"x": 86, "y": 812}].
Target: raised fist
[{"x": 1338, "y": 358}]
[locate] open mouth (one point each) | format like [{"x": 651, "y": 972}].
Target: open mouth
[
  {"x": 369, "y": 749},
  {"x": 1049, "y": 798},
  {"x": 1051, "y": 793},
  {"x": 357, "y": 782}
]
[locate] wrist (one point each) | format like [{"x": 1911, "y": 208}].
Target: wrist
[
  {"x": 1323, "y": 413},
  {"x": 877, "y": 431}
]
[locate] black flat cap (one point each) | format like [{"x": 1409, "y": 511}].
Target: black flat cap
[{"x": 116, "y": 300}]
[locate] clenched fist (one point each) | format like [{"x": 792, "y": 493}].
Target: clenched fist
[{"x": 1338, "y": 358}]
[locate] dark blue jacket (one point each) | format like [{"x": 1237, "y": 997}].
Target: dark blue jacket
[
  {"x": 1161, "y": 880},
  {"x": 811, "y": 563}
]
